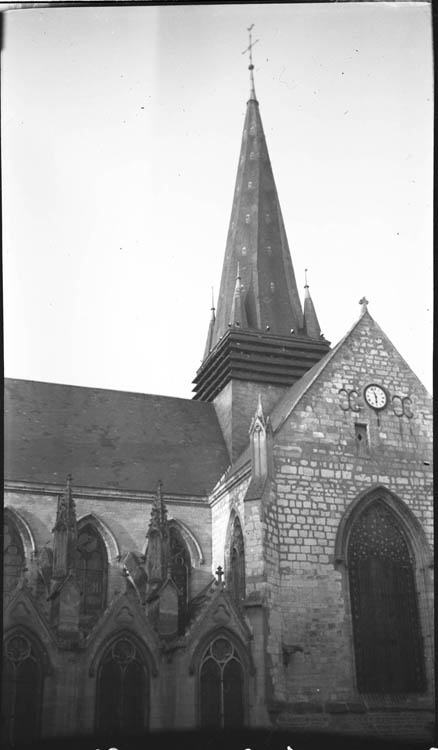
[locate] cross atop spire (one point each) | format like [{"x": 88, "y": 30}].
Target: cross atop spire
[
  {"x": 364, "y": 303},
  {"x": 252, "y": 94}
]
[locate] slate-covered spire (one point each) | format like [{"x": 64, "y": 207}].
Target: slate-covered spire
[
  {"x": 257, "y": 242},
  {"x": 311, "y": 325},
  {"x": 258, "y": 341},
  {"x": 64, "y": 533}
]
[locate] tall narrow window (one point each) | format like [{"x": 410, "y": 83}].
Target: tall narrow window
[
  {"x": 122, "y": 690},
  {"x": 180, "y": 573},
  {"x": 13, "y": 556},
  {"x": 387, "y": 639},
  {"x": 22, "y": 684},
  {"x": 91, "y": 566},
  {"x": 236, "y": 577},
  {"x": 221, "y": 686}
]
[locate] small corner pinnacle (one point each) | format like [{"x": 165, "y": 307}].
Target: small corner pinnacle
[{"x": 259, "y": 411}]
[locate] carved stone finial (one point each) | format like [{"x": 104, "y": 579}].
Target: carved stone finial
[{"x": 219, "y": 573}]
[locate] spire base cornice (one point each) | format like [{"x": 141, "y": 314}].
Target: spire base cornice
[{"x": 256, "y": 357}]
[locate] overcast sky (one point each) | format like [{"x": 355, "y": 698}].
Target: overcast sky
[{"x": 121, "y": 130}]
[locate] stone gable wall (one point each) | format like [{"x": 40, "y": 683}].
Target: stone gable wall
[{"x": 319, "y": 472}]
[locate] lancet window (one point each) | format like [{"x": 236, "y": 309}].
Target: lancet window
[
  {"x": 221, "y": 686},
  {"x": 91, "y": 569},
  {"x": 236, "y": 575},
  {"x": 180, "y": 572},
  {"x": 122, "y": 689},
  {"x": 14, "y": 558},
  {"x": 386, "y": 627},
  {"x": 22, "y": 684}
]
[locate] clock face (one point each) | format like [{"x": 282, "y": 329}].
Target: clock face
[{"x": 375, "y": 396}]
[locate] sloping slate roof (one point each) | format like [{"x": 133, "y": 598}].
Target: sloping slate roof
[{"x": 111, "y": 438}]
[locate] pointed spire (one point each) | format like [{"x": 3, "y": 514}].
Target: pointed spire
[
  {"x": 311, "y": 324},
  {"x": 65, "y": 532},
  {"x": 209, "y": 344},
  {"x": 238, "y": 313},
  {"x": 259, "y": 412},
  {"x": 257, "y": 240}
]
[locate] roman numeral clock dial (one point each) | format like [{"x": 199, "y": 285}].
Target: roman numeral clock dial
[{"x": 375, "y": 396}]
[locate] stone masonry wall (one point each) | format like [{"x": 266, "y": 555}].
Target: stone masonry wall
[
  {"x": 320, "y": 470},
  {"x": 126, "y": 519},
  {"x": 69, "y": 690}
]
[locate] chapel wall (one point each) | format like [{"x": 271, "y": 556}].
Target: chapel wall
[
  {"x": 126, "y": 519},
  {"x": 320, "y": 471}
]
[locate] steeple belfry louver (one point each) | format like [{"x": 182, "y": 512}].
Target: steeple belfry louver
[{"x": 259, "y": 333}]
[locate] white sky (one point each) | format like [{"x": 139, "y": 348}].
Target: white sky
[{"x": 121, "y": 129}]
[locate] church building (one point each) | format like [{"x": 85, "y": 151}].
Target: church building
[{"x": 258, "y": 556}]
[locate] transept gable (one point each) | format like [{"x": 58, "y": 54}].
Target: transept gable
[
  {"x": 364, "y": 355},
  {"x": 352, "y": 353}
]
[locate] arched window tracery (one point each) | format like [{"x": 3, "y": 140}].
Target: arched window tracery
[
  {"x": 386, "y": 626},
  {"x": 180, "y": 566},
  {"x": 14, "y": 557},
  {"x": 122, "y": 689},
  {"x": 91, "y": 571},
  {"x": 221, "y": 686},
  {"x": 22, "y": 685},
  {"x": 236, "y": 574}
]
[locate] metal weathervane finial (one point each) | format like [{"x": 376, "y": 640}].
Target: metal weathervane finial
[
  {"x": 305, "y": 279},
  {"x": 251, "y": 66}
]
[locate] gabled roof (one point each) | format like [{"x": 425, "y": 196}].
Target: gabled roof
[
  {"x": 111, "y": 439},
  {"x": 295, "y": 393}
]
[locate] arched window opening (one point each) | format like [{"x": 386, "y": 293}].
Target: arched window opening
[
  {"x": 386, "y": 627},
  {"x": 221, "y": 686},
  {"x": 122, "y": 690},
  {"x": 180, "y": 572},
  {"x": 22, "y": 684},
  {"x": 91, "y": 568},
  {"x": 14, "y": 558},
  {"x": 236, "y": 576}
]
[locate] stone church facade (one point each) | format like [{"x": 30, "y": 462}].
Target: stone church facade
[{"x": 258, "y": 556}]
